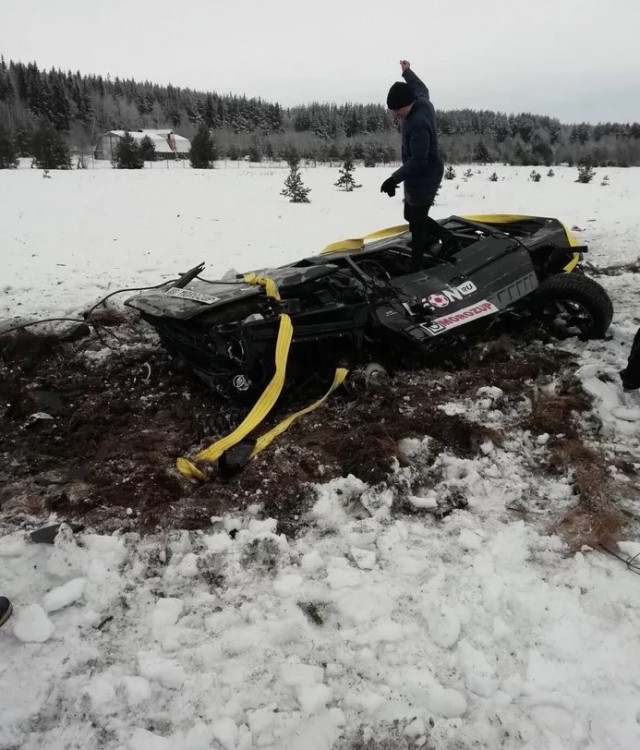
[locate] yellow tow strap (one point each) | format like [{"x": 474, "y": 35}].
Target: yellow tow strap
[
  {"x": 267, "y": 400},
  {"x": 358, "y": 243},
  {"x": 264, "y": 440},
  {"x": 269, "y": 284},
  {"x": 257, "y": 414}
]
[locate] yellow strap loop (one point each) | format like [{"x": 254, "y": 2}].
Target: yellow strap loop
[
  {"x": 189, "y": 469},
  {"x": 358, "y": 244},
  {"x": 269, "y": 284},
  {"x": 497, "y": 218},
  {"x": 264, "y": 440}
]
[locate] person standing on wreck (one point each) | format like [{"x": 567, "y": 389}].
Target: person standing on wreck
[{"x": 422, "y": 168}]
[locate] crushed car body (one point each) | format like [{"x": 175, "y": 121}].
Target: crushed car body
[{"x": 357, "y": 301}]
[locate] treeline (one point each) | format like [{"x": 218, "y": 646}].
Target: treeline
[{"x": 81, "y": 107}]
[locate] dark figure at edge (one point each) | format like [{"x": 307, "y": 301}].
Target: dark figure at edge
[{"x": 631, "y": 374}]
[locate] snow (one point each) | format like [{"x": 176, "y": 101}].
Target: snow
[
  {"x": 377, "y": 621},
  {"x": 63, "y": 596},
  {"x": 32, "y": 625}
]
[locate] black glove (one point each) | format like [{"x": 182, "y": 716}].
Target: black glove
[{"x": 389, "y": 187}]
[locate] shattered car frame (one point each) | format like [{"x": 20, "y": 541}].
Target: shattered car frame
[{"x": 357, "y": 301}]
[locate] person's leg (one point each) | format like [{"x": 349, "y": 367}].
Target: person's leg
[
  {"x": 420, "y": 238},
  {"x": 424, "y": 232}
]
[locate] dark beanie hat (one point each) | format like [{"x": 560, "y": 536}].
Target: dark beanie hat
[{"x": 400, "y": 94}]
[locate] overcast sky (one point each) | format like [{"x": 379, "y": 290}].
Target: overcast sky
[{"x": 573, "y": 59}]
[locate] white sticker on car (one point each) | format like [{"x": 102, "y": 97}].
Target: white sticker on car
[
  {"x": 188, "y": 294},
  {"x": 458, "y": 318}
]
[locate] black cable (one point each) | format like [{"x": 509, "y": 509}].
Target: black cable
[
  {"x": 629, "y": 561},
  {"x": 121, "y": 291},
  {"x": 37, "y": 322},
  {"x": 87, "y": 313}
]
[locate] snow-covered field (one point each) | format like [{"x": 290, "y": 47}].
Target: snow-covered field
[{"x": 372, "y": 628}]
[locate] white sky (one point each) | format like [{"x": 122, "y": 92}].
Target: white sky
[{"x": 574, "y": 59}]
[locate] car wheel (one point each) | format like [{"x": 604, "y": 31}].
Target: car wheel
[{"x": 574, "y": 305}]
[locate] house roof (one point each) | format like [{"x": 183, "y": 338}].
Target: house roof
[{"x": 158, "y": 138}]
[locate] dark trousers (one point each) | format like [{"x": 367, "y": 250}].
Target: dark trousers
[
  {"x": 424, "y": 232},
  {"x": 631, "y": 375}
]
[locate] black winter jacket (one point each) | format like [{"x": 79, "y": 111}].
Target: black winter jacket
[{"x": 422, "y": 168}]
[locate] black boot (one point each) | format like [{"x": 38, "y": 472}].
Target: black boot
[
  {"x": 5, "y": 610},
  {"x": 630, "y": 380}
]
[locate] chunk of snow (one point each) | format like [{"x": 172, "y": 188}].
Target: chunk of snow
[
  {"x": 287, "y": 585},
  {"x": 64, "y": 595},
  {"x": 443, "y": 623},
  {"x": 469, "y": 540},
  {"x": 166, "y": 612},
  {"x": 199, "y": 737},
  {"x": 478, "y": 672},
  {"x": 158, "y": 669},
  {"x": 339, "y": 578},
  {"x": 487, "y": 447},
  {"x": 226, "y": 732},
  {"x": 219, "y": 542},
  {"x": 188, "y": 566},
  {"x": 137, "y": 689},
  {"x": 311, "y": 562},
  {"x": 365, "y": 559},
  {"x": 312, "y": 698},
  {"x": 301, "y": 674},
  {"x": 430, "y": 502},
  {"x": 491, "y": 391},
  {"x": 415, "y": 729},
  {"x": 543, "y": 439},
  {"x": 145, "y": 740},
  {"x": 101, "y": 692},
  {"x": 32, "y": 625}
]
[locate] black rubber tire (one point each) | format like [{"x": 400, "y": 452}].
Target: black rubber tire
[{"x": 578, "y": 297}]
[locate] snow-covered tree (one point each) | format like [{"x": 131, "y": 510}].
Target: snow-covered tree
[
  {"x": 203, "y": 149},
  {"x": 147, "y": 149},
  {"x": 127, "y": 153},
  {"x": 585, "y": 173},
  {"x": 294, "y": 188},
  {"x": 8, "y": 154},
  {"x": 49, "y": 148},
  {"x": 346, "y": 181}
]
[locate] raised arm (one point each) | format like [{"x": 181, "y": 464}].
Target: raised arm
[{"x": 417, "y": 86}]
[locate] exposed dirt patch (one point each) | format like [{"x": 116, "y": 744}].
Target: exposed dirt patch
[
  {"x": 595, "y": 528},
  {"x": 616, "y": 270},
  {"x": 93, "y": 434}
]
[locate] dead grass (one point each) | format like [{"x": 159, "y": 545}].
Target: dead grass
[
  {"x": 557, "y": 414},
  {"x": 595, "y": 528}
]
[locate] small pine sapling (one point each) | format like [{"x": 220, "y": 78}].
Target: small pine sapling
[
  {"x": 294, "y": 188},
  {"x": 585, "y": 173},
  {"x": 346, "y": 181}
]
